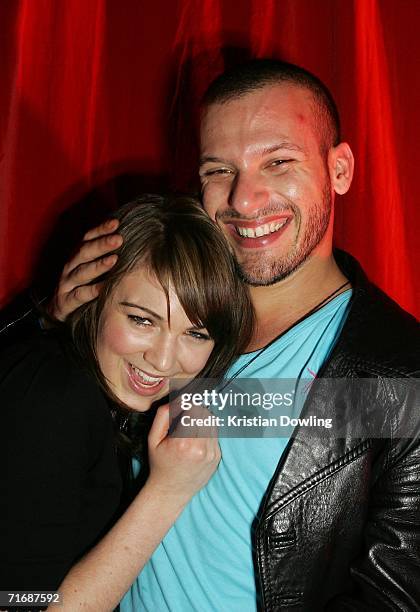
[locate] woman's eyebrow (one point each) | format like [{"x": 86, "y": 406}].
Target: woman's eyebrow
[{"x": 150, "y": 312}]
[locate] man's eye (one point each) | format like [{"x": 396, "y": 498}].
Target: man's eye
[
  {"x": 217, "y": 171},
  {"x": 140, "y": 321},
  {"x": 279, "y": 162}
]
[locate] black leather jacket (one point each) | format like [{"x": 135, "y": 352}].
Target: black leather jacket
[{"x": 340, "y": 526}]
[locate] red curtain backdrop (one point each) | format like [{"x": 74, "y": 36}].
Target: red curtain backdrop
[{"x": 99, "y": 98}]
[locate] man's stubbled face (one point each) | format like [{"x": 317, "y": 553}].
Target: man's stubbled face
[{"x": 265, "y": 179}]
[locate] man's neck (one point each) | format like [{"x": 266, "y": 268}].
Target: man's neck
[{"x": 279, "y": 306}]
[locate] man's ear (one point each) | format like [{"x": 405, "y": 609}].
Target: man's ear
[{"x": 341, "y": 167}]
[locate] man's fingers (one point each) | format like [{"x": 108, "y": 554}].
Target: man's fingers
[
  {"x": 82, "y": 294},
  {"x": 109, "y": 227},
  {"x": 92, "y": 251},
  {"x": 90, "y": 262},
  {"x": 64, "y": 304},
  {"x": 75, "y": 298},
  {"x": 86, "y": 273},
  {"x": 74, "y": 288}
]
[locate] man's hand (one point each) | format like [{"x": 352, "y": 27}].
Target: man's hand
[{"x": 90, "y": 262}]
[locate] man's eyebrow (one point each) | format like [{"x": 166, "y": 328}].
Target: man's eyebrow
[
  {"x": 210, "y": 158},
  {"x": 289, "y": 146},
  {"x": 151, "y": 312},
  {"x": 264, "y": 150}
]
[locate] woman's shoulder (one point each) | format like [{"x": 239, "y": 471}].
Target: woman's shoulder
[
  {"x": 49, "y": 352},
  {"x": 43, "y": 373},
  {"x": 37, "y": 345}
]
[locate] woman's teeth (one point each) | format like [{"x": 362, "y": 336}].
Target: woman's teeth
[
  {"x": 261, "y": 230},
  {"x": 146, "y": 379}
]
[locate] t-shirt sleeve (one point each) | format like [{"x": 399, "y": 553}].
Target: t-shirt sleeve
[{"x": 53, "y": 421}]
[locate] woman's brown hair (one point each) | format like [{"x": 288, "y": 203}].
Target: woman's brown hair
[{"x": 177, "y": 241}]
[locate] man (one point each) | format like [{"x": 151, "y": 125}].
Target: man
[{"x": 307, "y": 524}]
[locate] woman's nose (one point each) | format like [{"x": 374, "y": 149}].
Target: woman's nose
[{"x": 161, "y": 354}]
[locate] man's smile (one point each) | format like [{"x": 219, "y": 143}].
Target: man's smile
[{"x": 258, "y": 232}]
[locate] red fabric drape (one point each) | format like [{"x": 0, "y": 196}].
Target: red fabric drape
[{"x": 99, "y": 101}]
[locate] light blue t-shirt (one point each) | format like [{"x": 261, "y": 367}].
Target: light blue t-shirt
[{"x": 205, "y": 562}]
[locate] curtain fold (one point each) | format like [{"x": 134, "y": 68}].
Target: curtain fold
[{"x": 99, "y": 101}]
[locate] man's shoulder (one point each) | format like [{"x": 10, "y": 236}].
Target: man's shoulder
[
  {"x": 379, "y": 336},
  {"x": 387, "y": 333}
]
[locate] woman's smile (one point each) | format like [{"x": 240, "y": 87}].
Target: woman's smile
[
  {"x": 145, "y": 339},
  {"x": 144, "y": 383}
]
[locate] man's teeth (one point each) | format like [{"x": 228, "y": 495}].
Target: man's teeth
[
  {"x": 150, "y": 380},
  {"x": 261, "y": 230}
]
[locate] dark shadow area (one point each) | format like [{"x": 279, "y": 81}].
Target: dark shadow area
[
  {"x": 85, "y": 214},
  {"x": 190, "y": 75},
  {"x": 187, "y": 79},
  {"x": 21, "y": 315}
]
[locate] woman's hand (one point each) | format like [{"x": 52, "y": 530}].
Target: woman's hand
[
  {"x": 90, "y": 262},
  {"x": 180, "y": 466}
]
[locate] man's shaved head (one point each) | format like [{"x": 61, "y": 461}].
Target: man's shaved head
[{"x": 258, "y": 73}]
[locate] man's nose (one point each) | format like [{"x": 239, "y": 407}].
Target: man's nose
[
  {"x": 248, "y": 195},
  {"x": 161, "y": 354}
]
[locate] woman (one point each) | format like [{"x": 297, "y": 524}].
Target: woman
[{"x": 164, "y": 311}]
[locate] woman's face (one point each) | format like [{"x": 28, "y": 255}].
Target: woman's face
[{"x": 139, "y": 350}]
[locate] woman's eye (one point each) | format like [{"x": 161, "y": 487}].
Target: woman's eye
[
  {"x": 140, "y": 321},
  {"x": 198, "y": 335}
]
